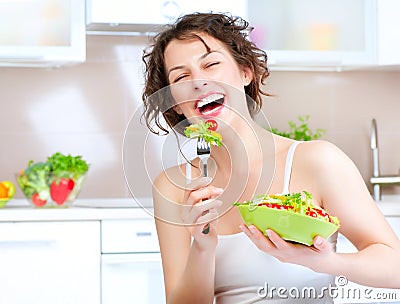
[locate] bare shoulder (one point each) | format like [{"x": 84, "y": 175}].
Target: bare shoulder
[
  {"x": 328, "y": 171},
  {"x": 168, "y": 191},
  {"x": 321, "y": 151},
  {"x": 323, "y": 156},
  {"x": 170, "y": 182}
]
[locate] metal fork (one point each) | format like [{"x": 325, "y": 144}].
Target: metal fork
[{"x": 203, "y": 152}]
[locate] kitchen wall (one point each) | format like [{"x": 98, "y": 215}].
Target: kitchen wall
[{"x": 85, "y": 110}]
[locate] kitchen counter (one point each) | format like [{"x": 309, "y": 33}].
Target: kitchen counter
[
  {"x": 98, "y": 209},
  {"x": 390, "y": 205},
  {"x": 83, "y": 209}
]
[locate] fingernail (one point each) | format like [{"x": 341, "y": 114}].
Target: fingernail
[
  {"x": 318, "y": 241},
  {"x": 269, "y": 233},
  {"x": 252, "y": 229},
  {"x": 219, "y": 190}
]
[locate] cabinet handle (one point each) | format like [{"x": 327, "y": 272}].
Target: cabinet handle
[{"x": 143, "y": 233}]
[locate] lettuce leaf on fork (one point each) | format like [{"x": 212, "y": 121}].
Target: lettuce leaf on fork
[{"x": 202, "y": 129}]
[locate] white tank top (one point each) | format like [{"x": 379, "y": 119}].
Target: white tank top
[{"x": 244, "y": 274}]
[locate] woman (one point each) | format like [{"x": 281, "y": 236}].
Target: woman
[{"x": 208, "y": 65}]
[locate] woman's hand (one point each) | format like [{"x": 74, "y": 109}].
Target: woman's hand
[
  {"x": 199, "y": 209},
  {"x": 287, "y": 252}
]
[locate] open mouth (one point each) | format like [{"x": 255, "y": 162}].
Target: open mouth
[{"x": 210, "y": 104}]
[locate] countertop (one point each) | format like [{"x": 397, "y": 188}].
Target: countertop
[
  {"x": 119, "y": 208},
  {"x": 83, "y": 209}
]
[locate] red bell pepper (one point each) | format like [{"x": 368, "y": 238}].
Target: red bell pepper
[{"x": 60, "y": 189}]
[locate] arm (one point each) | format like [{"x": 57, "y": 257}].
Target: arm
[
  {"x": 188, "y": 267},
  {"x": 340, "y": 189},
  {"x": 345, "y": 194}
]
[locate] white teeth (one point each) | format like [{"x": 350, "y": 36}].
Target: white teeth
[{"x": 209, "y": 99}]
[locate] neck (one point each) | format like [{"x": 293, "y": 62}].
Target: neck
[
  {"x": 244, "y": 142},
  {"x": 248, "y": 156}
]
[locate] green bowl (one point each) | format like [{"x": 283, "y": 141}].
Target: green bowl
[{"x": 289, "y": 225}]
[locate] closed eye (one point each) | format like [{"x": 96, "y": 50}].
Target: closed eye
[
  {"x": 180, "y": 77},
  {"x": 212, "y": 64}
]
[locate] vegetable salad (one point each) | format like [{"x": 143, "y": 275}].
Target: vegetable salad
[
  {"x": 59, "y": 178},
  {"x": 296, "y": 202}
]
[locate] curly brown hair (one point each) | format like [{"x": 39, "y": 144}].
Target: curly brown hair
[{"x": 232, "y": 31}]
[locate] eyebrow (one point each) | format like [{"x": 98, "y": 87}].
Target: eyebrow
[{"x": 178, "y": 67}]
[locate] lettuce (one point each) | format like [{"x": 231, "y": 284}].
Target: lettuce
[{"x": 202, "y": 129}]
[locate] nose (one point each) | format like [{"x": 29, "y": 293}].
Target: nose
[{"x": 198, "y": 84}]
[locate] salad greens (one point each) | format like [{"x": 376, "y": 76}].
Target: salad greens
[
  {"x": 202, "y": 129},
  {"x": 67, "y": 166},
  {"x": 295, "y": 202}
]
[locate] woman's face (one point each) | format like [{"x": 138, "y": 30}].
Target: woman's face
[{"x": 205, "y": 84}]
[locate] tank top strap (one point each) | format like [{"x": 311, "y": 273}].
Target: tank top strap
[
  {"x": 288, "y": 167},
  {"x": 188, "y": 173}
]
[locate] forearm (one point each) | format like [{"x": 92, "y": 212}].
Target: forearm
[
  {"x": 197, "y": 283},
  {"x": 375, "y": 266}
]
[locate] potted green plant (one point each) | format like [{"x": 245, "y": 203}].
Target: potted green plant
[{"x": 300, "y": 130}]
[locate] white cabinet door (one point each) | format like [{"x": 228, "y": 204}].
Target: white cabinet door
[
  {"x": 131, "y": 262},
  {"x": 42, "y": 33},
  {"x": 123, "y": 15},
  {"x": 50, "y": 262},
  {"x": 132, "y": 278},
  {"x": 388, "y": 32},
  {"x": 326, "y": 34}
]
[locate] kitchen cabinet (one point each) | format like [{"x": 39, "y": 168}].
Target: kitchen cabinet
[
  {"x": 324, "y": 34},
  {"x": 131, "y": 262},
  {"x": 128, "y": 16},
  {"x": 42, "y": 33},
  {"x": 80, "y": 255},
  {"x": 50, "y": 262}
]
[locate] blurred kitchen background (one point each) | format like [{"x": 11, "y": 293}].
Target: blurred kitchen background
[{"x": 84, "y": 108}]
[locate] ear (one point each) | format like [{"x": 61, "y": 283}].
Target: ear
[{"x": 247, "y": 76}]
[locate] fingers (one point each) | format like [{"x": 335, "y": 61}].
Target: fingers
[
  {"x": 201, "y": 212},
  {"x": 210, "y": 215},
  {"x": 200, "y": 190},
  {"x": 276, "y": 239},
  {"x": 272, "y": 241},
  {"x": 321, "y": 244},
  {"x": 259, "y": 239},
  {"x": 206, "y": 224},
  {"x": 199, "y": 208},
  {"x": 199, "y": 200},
  {"x": 201, "y": 195}
]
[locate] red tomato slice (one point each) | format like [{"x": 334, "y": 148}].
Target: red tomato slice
[
  {"x": 37, "y": 201},
  {"x": 214, "y": 124}
]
